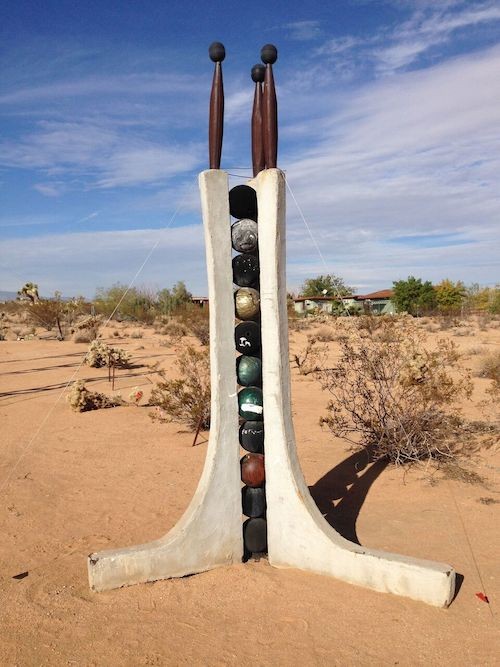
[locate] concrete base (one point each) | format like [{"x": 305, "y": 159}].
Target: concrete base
[
  {"x": 210, "y": 532},
  {"x": 298, "y": 535}
]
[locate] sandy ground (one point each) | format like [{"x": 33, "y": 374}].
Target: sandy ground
[{"x": 75, "y": 483}]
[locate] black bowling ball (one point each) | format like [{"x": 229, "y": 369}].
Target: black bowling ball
[
  {"x": 243, "y": 202},
  {"x": 252, "y": 436},
  {"x": 253, "y": 501},
  {"x": 247, "y": 338},
  {"x": 255, "y": 535}
]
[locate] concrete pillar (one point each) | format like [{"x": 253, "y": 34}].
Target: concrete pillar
[
  {"x": 209, "y": 533},
  {"x": 298, "y": 535}
]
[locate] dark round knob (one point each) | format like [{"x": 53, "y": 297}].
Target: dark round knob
[
  {"x": 252, "y": 437},
  {"x": 252, "y": 470},
  {"x": 253, "y": 501},
  {"x": 250, "y": 402},
  {"x": 255, "y": 535},
  {"x": 247, "y": 338},
  {"x": 217, "y": 52},
  {"x": 269, "y": 54},
  {"x": 258, "y": 73}
]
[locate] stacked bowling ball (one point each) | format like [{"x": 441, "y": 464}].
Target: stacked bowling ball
[{"x": 244, "y": 237}]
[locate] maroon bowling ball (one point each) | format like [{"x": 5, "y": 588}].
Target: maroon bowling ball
[{"x": 252, "y": 470}]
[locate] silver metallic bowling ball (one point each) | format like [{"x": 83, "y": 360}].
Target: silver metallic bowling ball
[{"x": 244, "y": 235}]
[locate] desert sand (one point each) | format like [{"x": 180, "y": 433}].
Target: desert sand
[{"x": 73, "y": 483}]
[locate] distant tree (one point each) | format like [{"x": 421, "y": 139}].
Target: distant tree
[
  {"x": 329, "y": 285},
  {"x": 170, "y": 300},
  {"x": 414, "y": 296},
  {"x": 450, "y": 296},
  {"x": 126, "y": 303},
  {"x": 486, "y": 299},
  {"x": 28, "y": 291},
  {"x": 48, "y": 313}
]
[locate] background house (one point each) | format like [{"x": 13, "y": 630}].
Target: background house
[{"x": 378, "y": 303}]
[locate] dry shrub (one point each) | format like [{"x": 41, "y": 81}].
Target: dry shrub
[
  {"x": 83, "y": 400},
  {"x": 174, "y": 329},
  {"x": 490, "y": 367},
  {"x": 82, "y": 337},
  {"x": 88, "y": 329},
  {"x": 187, "y": 398},
  {"x": 396, "y": 398},
  {"x": 136, "y": 334},
  {"x": 311, "y": 359},
  {"x": 299, "y": 324},
  {"x": 99, "y": 354},
  {"x": 324, "y": 334},
  {"x": 196, "y": 321}
]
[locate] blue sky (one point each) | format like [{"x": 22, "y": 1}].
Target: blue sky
[{"x": 389, "y": 118}]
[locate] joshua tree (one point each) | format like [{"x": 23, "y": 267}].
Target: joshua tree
[{"x": 29, "y": 291}]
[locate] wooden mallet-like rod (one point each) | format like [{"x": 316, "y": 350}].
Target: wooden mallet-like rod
[
  {"x": 217, "y": 53},
  {"x": 269, "y": 55},
  {"x": 258, "y": 159}
]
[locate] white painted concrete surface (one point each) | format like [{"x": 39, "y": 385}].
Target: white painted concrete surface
[
  {"x": 298, "y": 535},
  {"x": 210, "y": 532}
]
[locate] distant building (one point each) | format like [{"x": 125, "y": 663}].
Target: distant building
[
  {"x": 201, "y": 301},
  {"x": 376, "y": 302}
]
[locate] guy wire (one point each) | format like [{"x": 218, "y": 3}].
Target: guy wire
[{"x": 337, "y": 293}]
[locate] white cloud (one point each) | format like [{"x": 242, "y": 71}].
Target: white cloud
[
  {"x": 431, "y": 25},
  {"x": 418, "y": 153},
  {"x": 303, "y": 31},
  {"x": 102, "y": 155}
]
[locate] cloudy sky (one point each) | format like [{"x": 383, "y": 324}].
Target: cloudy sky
[{"x": 389, "y": 116}]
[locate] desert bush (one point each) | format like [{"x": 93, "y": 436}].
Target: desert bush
[
  {"x": 311, "y": 359},
  {"x": 324, "y": 335},
  {"x": 299, "y": 323},
  {"x": 136, "y": 334},
  {"x": 187, "y": 398},
  {"x": 83, "y": 400},
  {"x": 82, "y": 337},
  {"x": 99, "y": 354},
  {"x": 490, "y": 367},
  {"x": 88, "y": 328},
  {"x": 124, "y": 303},
  {"x": 48, "y": 313},
  {"x": 394, "y": 396},
  {"x": 196, "y": 321}
]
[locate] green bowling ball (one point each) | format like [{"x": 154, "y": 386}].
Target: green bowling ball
[
  {"x": 250, "y": 402},
  {"x": 249, "y": 371}
]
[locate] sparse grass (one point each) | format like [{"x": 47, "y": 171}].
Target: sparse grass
[{"x": 136, "y": 334}]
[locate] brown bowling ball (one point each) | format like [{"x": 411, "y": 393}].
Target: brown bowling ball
[{"x": 252, "y": 470}]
